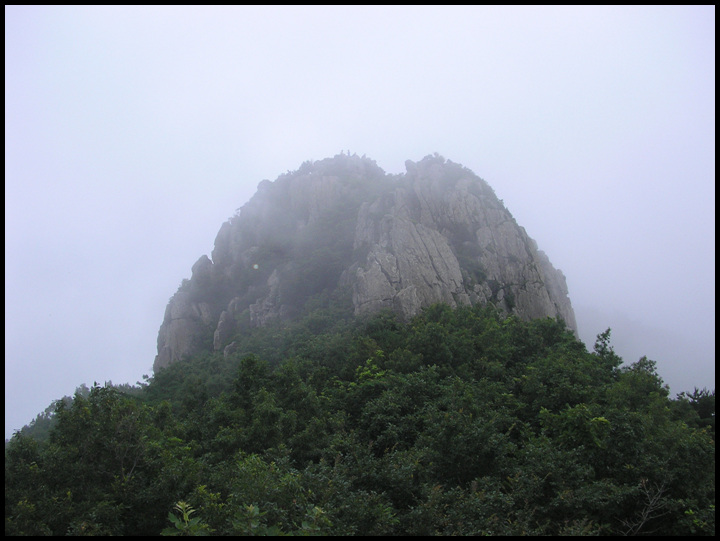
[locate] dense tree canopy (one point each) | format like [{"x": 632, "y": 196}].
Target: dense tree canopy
[{"x": 458, "y": 422}]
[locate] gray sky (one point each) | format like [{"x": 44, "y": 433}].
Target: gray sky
[{"x": 132, "y": 134}]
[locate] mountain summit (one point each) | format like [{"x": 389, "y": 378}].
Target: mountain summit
[{"x": 342, "y": 228}]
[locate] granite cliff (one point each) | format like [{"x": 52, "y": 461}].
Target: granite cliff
[{"x": 342, "y": 227}]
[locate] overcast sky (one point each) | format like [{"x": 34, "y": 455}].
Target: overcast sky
[{"x": 133, "y": 133}]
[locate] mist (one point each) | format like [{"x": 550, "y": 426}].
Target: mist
[{"x": 133, "y": 133}]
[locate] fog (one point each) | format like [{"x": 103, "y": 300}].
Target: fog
[{"x": 133, "y": 133}]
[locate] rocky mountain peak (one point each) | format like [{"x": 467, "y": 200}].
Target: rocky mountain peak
[{"x": 342, "y": 226}]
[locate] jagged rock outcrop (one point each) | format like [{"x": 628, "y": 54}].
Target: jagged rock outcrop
[{"x": 435, "y": 234}]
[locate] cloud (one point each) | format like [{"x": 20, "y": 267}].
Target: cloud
[{"x": 132, "y": 133}]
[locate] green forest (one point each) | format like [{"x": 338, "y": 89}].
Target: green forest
[{"x": 458, "y": 422}]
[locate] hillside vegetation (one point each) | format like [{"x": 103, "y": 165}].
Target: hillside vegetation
[{"x": 459, "y": 422}]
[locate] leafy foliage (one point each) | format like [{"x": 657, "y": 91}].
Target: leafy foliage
[{"x": 460, "y": 422}]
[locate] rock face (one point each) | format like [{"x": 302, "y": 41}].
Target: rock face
[{"x": 341, "y": 226}]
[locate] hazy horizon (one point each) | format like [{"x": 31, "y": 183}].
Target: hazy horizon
[{"x": 133, "y": 133}]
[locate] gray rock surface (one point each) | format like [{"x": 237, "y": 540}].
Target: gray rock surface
[{"x": 435, "y": 234}]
